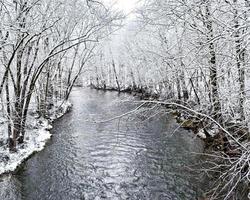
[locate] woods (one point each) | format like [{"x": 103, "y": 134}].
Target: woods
[
  {"x": 197, "y": 50},
  {"x": 44, "y": 48},
  {"x": 196, "y": 54},
  {"x": 190, "y": 56}
]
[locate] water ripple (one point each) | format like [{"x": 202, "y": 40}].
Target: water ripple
[{"x": 114, "y": 160}]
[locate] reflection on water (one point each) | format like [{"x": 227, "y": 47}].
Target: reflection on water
[{"x": 120, "y": 159}]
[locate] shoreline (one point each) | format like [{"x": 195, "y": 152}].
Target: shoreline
[
  {"x": 217, "y": 139},
  {"x": 212, "y": 134},
  {"x": 36, "y": 138}
]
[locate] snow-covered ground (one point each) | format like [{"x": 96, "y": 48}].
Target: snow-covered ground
[{"x": 37, "y": 134}]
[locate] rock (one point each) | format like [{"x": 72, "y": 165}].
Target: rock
[
  {"x": 187, "y": 123},
  {"x": 212, "y": 132},
  {"x": 202, "y": 134},
  {"x": 175, "y": 113}
]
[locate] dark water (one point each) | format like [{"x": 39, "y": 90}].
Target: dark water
[{"x": 121, "y": 159}]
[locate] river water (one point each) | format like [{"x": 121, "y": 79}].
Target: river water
[{"x": 129, "y": 158}]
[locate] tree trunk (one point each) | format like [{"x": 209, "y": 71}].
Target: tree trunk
[
  {"x": 216, "y": 106},
  {"x": 240, "y": 61},
  {"x": 10, "y": 139},
  {"x": 116, "y": 77}
]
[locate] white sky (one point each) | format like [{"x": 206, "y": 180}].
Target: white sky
[
  {"x": 125, "y": 5},
  {"x": 117, "y": 39}
]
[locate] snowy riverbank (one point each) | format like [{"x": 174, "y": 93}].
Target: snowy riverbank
[{"x": 37, "y": 134}]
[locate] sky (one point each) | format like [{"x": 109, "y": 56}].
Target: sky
[
  {"x": 117, "y": 39},
  {"x": 124, "y": 5}
]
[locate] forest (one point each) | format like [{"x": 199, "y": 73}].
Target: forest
[{"x": 189, "y": 56}]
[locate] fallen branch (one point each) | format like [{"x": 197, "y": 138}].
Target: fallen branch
[{"x": 173, "y": 104}]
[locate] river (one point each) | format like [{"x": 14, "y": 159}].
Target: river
[{"x": 130, "y": 158}]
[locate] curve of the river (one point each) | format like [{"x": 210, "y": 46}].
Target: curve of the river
[{"x": 120, "y": 159}]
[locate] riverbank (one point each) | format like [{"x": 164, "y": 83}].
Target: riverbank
[
  {"x": 189, "y": 116},
  {"x": 226, "y": 142},
  {"x": 185, "y": 121},
  {"x": 37, "y": 135}
]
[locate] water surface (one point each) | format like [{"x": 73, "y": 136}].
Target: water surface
[{"x": 121, "y": 159}]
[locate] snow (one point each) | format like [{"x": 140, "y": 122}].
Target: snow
[
  {"x": 35, "y": 139},
  {"x": 36, "y": 142},
  {"x": 213, "y": 132},
  {"x": 60, "y": 109},
  {"x": 201, "y": 134}
]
